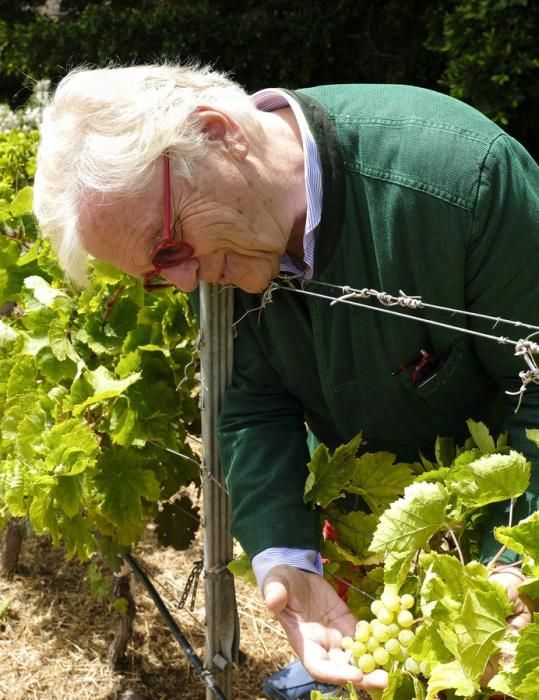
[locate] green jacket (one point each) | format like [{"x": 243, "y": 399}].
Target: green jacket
[{"x": 421, "y": 193}]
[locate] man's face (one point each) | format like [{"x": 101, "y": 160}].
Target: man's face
[{"x": 229, "y": 219}]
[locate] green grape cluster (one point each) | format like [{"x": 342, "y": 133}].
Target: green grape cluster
[{"x": 383, "y": 641}]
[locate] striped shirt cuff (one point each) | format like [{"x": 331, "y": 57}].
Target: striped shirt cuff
[{"x": 306, "y": 559}]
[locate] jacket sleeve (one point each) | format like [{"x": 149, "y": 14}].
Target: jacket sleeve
[
  {"x": 263, "y": 449},
  {"x": 502, "y": 281}
]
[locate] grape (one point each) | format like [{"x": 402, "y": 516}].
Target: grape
[
  {"x": 407, "y": 601},
  {"x": 405, "y": 618},
  {"x": 346, "y": 643},
  {"x": 383, "y": 642},
  {"x": 376, "y": 605},
  {"x": 406, "y": 637},
  {"x": 363, "y": 631},
  {"x": 385, "y": 616},
  {"x": 393, "y": 647},
  {"x": 381, "y": 632},
  {"x": 358, "y": 649},
  {"x": 381, "y": 656},
  {"x": 366, "y": 663},
  {"x": 425, "y": 668},
  {"x": 412, "y": 666},
  {"x": 391, "y": 601},
  {"x": 372, "y": 644}
]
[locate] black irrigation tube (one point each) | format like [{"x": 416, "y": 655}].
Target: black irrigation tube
[{"x": 205, "y": 675}]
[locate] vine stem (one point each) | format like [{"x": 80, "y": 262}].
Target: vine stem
[
  {"x": 457, "y": 545},
  {"x": 503, "y": 548}
]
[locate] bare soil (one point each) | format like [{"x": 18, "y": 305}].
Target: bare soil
[{"x": 54, "y": 634}]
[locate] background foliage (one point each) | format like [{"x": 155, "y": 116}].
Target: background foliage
[
  {"x": 97, "y": 386},
  {"x": 481, "y": 51}
]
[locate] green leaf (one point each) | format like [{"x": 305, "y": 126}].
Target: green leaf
[
  {"x": 355, "y": 531},
  {"x": 410, "y": 522},
  {"x": 451, "y": 675},
  {"x": 429, "y": 646},
  {"x": 68, "y": 494},
  {"x": 42, "y": 290},
  {"x": 105, "y": 387},
  {"x": 124, "y": 487},
  {"x": 445, "y": 451},
  {"x": 379, "y": 480},
  {"x": 533, "y": 435},
  {"x": 22, "y": 202},
  {"x": 481, "y": 436},
  {"x": 479, "y": 628},
  {"x": 329, "y": 474},
  {"x": 521, "y": 679},
  {"x": 59, "y": 342},
  {"x": 522, "y": 538},
  {"x": 491, "y": 478},
  {"x": 408, "y": 525},
  {"x": 403, "y": 686},
  {"x": 8, "y": 336},
  {"x": 241, "y": 567},
  {"x": 77, "y": 537}
]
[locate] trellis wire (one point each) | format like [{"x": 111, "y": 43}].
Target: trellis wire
[{"x": 524, "y": 347}]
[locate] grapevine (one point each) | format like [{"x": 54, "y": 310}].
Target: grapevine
[{"x": 429, "y": 613}]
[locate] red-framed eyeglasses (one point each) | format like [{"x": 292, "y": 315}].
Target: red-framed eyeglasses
[{"x": 168, "y": 252}]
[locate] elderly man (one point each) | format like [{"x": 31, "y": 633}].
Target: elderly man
[{"x": 385, "y": 187}]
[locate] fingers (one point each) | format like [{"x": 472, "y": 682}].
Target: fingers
[{"x": 275, "y": 594}]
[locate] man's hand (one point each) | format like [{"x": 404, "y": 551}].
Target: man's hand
[
  {"x": 510, "y": 577},
  {"x": 315, "y": 620}
]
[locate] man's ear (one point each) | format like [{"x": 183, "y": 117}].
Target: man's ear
[{"x": 219, "y": 126}]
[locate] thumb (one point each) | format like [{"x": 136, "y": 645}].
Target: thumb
[{"x": 275, "y": 593}]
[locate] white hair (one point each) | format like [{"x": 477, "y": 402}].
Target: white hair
[{"x": 103, "y": 130}]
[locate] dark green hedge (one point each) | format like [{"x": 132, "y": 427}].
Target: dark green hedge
[{"x": 482, "y": 51}]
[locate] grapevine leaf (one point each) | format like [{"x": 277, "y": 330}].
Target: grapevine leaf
[
  {"x": 329, "y": 473},
  {"x": 379, "y": 480},
  {"x": 68, "y": 494},
  {"x": 124, "y": 487},
  {"x": 403, "y": 686},
  {"x": 59, "y": 342},
  {"x": 429, "y": 646},
  {"x": 407, "y": 525},
  {"x": 105, "y": 387},
  {"x": 479, "y": 628},
  {"x": 22, "y": 202},
  {"x": 481, "y": 436},
  {"x": 529, "y": 688},
  {"x": 77, "y": 538},
  {"x": 530, "y": 588},
  {"x": 411, "y": 521},
  {"x": 445, "y": 451},
  {"x": 7, "y": 335},
  {"x": 70, "y": 448},
  {"x": 42, "y": 291},
  {"x": 491, "y": 478},
  {"x": 451, "y": 675},
  {"x": 355, "y": 531},
  {"x": 533, "y": 435},
  {"x": 523, "y": 538},
  {"x": 177, "y": 523},
  {"x": 521, "y": 679},
  {"x": 42, "y": 512},
  {"x": 242, "y": 568}
]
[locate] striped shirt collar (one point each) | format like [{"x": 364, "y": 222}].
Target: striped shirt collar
[{"x": 267, "y": 101}]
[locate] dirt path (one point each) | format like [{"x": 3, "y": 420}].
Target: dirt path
[{"x": 54, "y": 634}]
